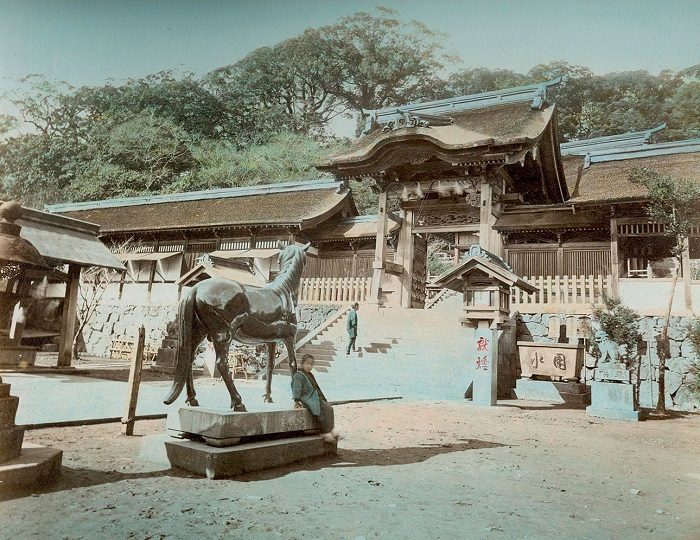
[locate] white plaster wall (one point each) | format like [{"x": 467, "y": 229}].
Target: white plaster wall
[{"x": 650, "y": 296}]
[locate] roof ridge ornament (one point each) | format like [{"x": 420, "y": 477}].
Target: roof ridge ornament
[{"x": 408, "y": 120}]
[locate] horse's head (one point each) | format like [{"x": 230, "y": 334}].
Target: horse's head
[{"x": 292, "y": 252}]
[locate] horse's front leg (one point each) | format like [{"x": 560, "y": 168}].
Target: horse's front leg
[
  {"x": 221, "y": 348},
  {"x": 191, "y": 400},
  {"x": 271, "y": 348}
]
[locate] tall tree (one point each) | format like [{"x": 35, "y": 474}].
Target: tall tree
[{"x": 675, "y": 203}]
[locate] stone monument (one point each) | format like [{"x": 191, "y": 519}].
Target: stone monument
[{"x": 612, "y": 392}]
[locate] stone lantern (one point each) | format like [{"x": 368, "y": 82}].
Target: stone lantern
[{"x": 485, "y": 281}]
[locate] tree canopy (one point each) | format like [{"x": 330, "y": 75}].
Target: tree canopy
[{"x": 269, "y": 116}]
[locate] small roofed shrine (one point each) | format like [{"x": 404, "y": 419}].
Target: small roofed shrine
[{"x": 447, "y": 168}]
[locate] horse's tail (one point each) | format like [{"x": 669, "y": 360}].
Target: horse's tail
[{"x": 185, "y": 354}]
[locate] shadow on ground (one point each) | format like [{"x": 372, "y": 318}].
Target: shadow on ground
[{"x": 370, "y": 457}]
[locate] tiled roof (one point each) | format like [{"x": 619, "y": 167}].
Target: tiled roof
[
  {"x": 603, "y": 176},
  {"x": 302, "y": 204},
  {"x": 470, "y": 133}
]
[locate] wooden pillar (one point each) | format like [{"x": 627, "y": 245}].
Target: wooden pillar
[
  {"x": 405, "y": 253},
  {"x": 134, "y": 382},
  {"x": 380, "y": 249},
  {"x": 614, "y": 259},
  {"x": 685, "y": 267},
  {"x": 485, "y": 215},
  {"x": 70, "y": 311}
]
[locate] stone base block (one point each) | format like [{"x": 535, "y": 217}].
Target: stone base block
[
  {"x": 552, "y": 391},
  {"x": 4, "y": 390},
  {"x": 226, "y": 428},
  {"x": 17, "y": 356},
  {"x": 213, "y": 462},
  {"x": 614, "y": 414},
  {"x": 36, "y": 465},
  {"x": 613, "y": 400},
  {"x": 8, "y": 410},
  {"x": 10, "y": 443}
]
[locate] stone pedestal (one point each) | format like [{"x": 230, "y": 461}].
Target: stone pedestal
[
  {"x": 613, "y": 400},
  {"x": 22, "y": 465},
  {"x": 226, "y": 443},
  {"x": 485, "y": 367},
  {"x": 166, "y": 356},
  {"x": 17, "y": 356},
  {"x": 552, "y": 391}
]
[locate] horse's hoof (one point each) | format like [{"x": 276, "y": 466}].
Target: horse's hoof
[
  {"x": 268, "y": 399},
  {"x": 192, "y": 403},
  {"x": 239, "y": 408}
]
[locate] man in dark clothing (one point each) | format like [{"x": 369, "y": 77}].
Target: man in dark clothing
[{"x": 352, "y": 327}]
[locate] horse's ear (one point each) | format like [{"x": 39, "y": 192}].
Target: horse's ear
[
  {"x": 306, "y": 246},
  {"x": 280, "y": 245}
]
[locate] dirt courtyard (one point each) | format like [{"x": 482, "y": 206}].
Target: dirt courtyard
[{"x": 405, "y": 470}]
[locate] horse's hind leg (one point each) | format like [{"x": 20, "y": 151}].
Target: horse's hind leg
[
  {"x": 289, "y": 342},
  {"x": 221, "y": 349},
  {"x": 197, "y": 337},
  {"x": 271, "y": 348}
]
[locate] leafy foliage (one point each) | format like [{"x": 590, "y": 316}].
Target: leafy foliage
[
  {"x": 621, "y": 323},
  {"x": 693, "y": 380}
]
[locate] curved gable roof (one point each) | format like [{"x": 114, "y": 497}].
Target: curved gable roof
[{"x": 298, "y": 204}]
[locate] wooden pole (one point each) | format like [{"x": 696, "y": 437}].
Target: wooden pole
[
  {"x": 134, "y": 382},
  {"x": 380, "y": 249},
  {"x": 70, "y": 310},
  {"x": 614, "y": 258}
]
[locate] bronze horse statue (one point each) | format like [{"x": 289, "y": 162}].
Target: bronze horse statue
[{"x": 226, "y": 311}]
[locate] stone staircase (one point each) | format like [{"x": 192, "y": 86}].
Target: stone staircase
[{"x": 415, "y": 351}]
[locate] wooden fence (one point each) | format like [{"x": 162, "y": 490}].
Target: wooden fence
[
  {"x": 570, "y": 293},
  {"x": 334, "y": 290}
]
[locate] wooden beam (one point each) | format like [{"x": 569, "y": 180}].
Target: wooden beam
[
  {"x": 379, "y": 250},
  {"x": 614, "y": 258},
  {"x": 70, "y": 311},
  {"x": 685, "y": 266},
  {"x": 134, "y": 382},
  {"x": 448, "y": 228}
]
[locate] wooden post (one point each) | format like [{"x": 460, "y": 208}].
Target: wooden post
[
  {"x": 685, "y": 266},
  {"x": 70, "y": 311},
  {"x": 134, "y": 382},
  {"x": 405, "y": 254},
  {"x": 614, "y": 259},
  {"x": 379, "y": 250},
  {"x": 485, "y": 215}
]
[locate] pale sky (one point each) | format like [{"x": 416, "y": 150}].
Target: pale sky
[{"x": 86, "y": 42}]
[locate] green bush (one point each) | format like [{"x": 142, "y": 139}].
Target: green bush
[{"x": 621, "y": 324}]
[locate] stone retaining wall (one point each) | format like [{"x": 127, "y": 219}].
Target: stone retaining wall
[
  {"x": 119, "y": 321},
  {"x": 678, "y": 396}
]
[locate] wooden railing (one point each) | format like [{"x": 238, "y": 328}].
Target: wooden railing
[
  {"x": 334, "y": 290},
  {"x": 556, "y": 292}
]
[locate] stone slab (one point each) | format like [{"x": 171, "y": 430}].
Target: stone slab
[
  {"x": 198, "y": 458},
  {"x": 611, "y": 395},
  {"x": 224, "y": 428},
  {"x": 552, "y": 391},
  {"x": 557, "y": 360},
  {"x": 36, "y": 465},
  {"x": 613, "y": 374},
  {"x": 614, "y": 414},
  {"x": 8, "y": 410},
  {"x": 10, "y": 443}
]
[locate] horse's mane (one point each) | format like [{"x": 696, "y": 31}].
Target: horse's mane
[{"x": 286, "y": 283}]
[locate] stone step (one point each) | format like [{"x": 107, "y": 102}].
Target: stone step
[
  {"x": 36, "y": 465},
  {"x": 212, "y": 462},
  {"x": 552, "y": 391}
]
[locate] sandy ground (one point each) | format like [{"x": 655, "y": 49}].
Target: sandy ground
[{"x": 404, "y": 470}]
